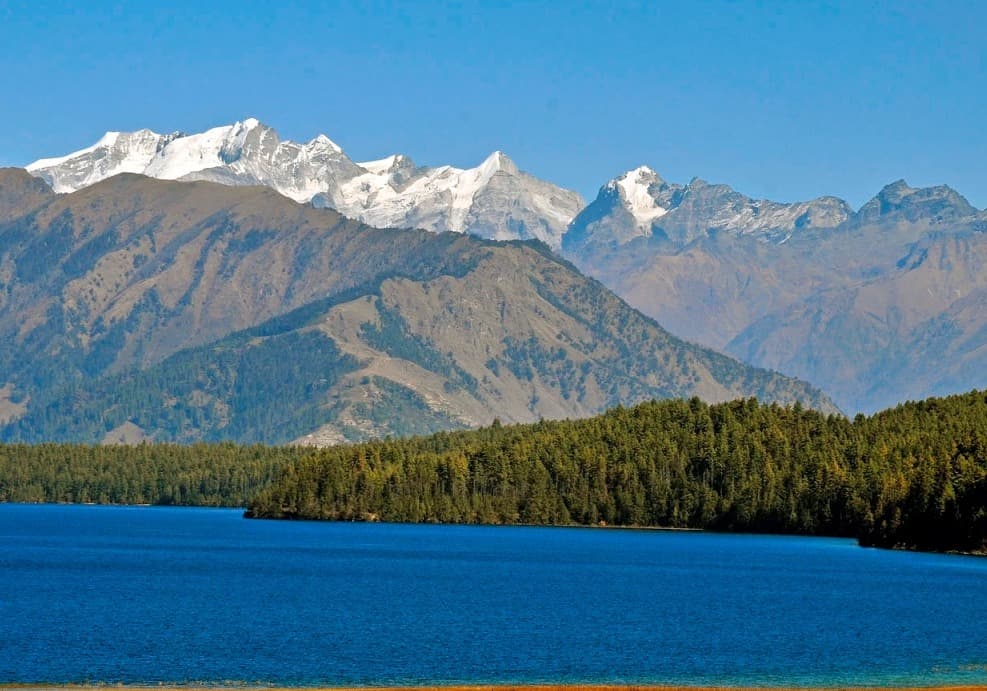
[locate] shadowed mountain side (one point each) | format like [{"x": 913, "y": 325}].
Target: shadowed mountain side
[
  {"x": 918, "y": 330},
  {"x": 710, "y": 290}
]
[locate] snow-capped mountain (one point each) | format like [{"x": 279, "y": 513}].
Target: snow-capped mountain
[
  {"x": 244, "y": 153},
  {"x": 494, "y": 200},
  {"x": 640, "y": 203}
]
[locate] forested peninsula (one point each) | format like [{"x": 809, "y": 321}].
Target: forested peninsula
[{"x": 911, "y": 477}]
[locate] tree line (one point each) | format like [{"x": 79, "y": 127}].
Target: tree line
[
  {"x": 914, "y": 476},
  {"x": 167, "y": 474}
]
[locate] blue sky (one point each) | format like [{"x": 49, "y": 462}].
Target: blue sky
[{"x": 784, "y": 100}]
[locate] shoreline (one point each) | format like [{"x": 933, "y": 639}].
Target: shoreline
[
  {"x": 246, "y": 514},
  {"x": 199, "y": 686}
]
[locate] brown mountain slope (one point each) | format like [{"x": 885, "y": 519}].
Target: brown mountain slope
[
  {"x": 130, "y": 270},
  {"x": 519, "y": 336},
  {"x": 918, "y": 330},
  {"x": 20, "y": 192},
  {"x": 119, "y": 301},
  {"x": 522, "y": 337},
  {"x": 710, "y": 290}
]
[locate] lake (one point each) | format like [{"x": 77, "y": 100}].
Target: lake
[{"x": 146, "y": 595}]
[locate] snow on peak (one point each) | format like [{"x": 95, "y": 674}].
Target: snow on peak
[
  {"x": 642, "y": 172},
  {"x": 494, "y": 159},
  {"x": 465, "y": 185},
  {"x": 322, "y": 141},
  {"x": 106, "y": 141},
  {"x": 110, "y": 138},
  {"x": 393, "y": 192},
  {"x": 114, "y": 153},
  {"x": 497, "y": 161},
  {"x": 635, "y": 189},
  {"x": 196, "y": 152},
  {"x": 382, "y": 165}
]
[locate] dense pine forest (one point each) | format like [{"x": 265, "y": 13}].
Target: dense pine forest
[
  {"x": 164, "y": 474},
  {"x": 913, "y": 477}
]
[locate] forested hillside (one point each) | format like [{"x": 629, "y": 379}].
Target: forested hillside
[{"x": 915, "y": 476}]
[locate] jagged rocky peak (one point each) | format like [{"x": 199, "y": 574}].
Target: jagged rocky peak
[
  {"x": 640, "y": 190},
  {"x": 321, "y": 141},
  {"x": 506, "y": 203},
  {"x": 626, "y": 208},
  {"x": 825, "y": 212},
  {"x": 899, "y": 201},
  {"x": 640, "y": 203},
  {"x": 721, "y": 208},
  {"x": 641, "y": 174}
]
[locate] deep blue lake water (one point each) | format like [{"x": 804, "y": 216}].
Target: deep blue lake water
[{"x": 115, "y": 594}]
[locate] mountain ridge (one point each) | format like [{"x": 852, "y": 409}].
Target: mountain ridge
[
  {"x": 665, "y": 210},
  {"x": 394, "y": 191},
  {"x": 712, "y": 264},
  {"x": 495, "y": 199},
  {"x": 138, "y": 308}
]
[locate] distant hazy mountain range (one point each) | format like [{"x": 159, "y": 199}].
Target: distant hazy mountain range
[
  {"x": 875, "y": 306},
  {"x": 138, "y": 308}
]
